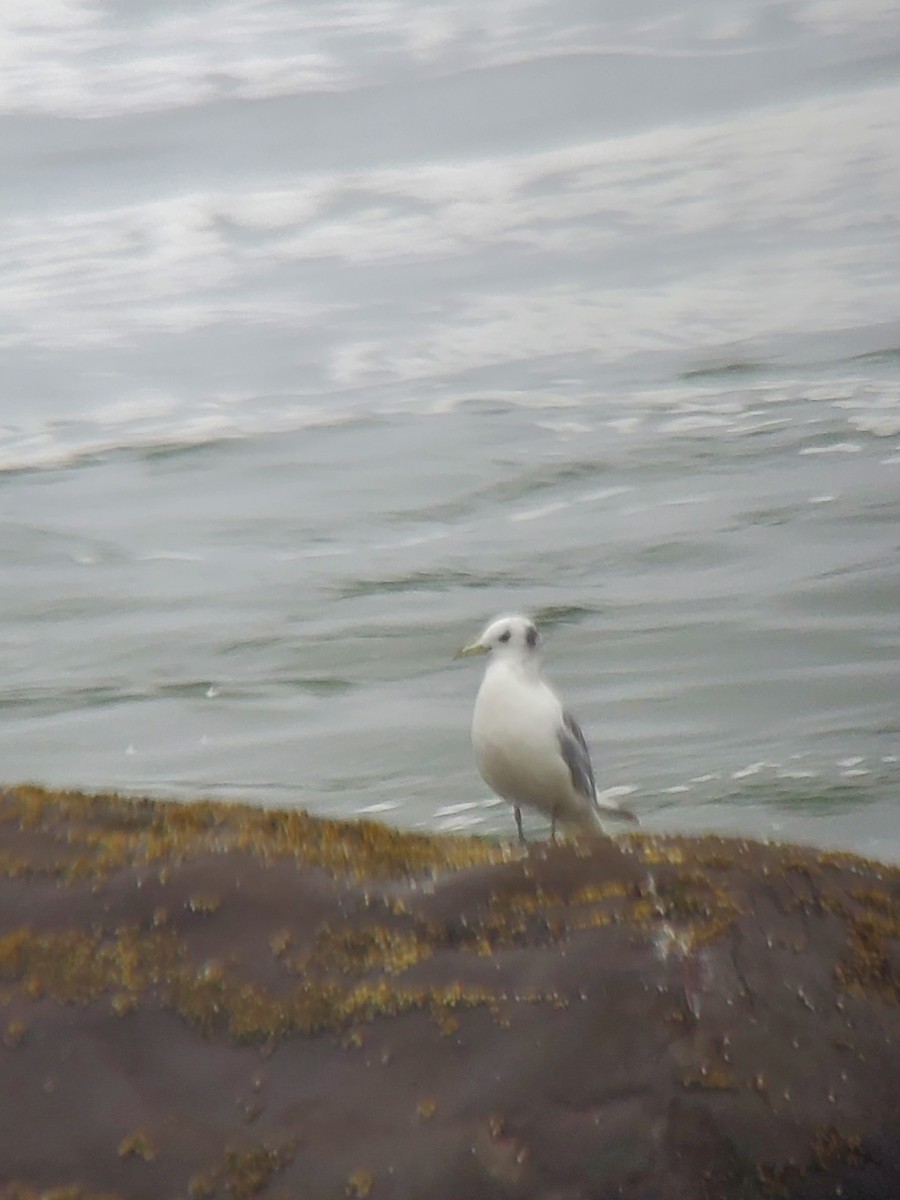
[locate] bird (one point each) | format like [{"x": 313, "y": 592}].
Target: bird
[{"x": 529, "y": 749}]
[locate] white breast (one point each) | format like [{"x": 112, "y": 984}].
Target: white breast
[{"x": 515, "y": 734}]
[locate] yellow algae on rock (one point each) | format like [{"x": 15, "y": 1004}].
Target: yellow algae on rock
[
  {"x": 359, "y": 1184},
  {"x": 367, "y": 948},
  {"x": 98, "y": 834},
  {"x": 138, "y": 1145},
  {"x": 14, "y": 1033}
]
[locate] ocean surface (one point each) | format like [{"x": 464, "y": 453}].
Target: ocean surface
[{"x": 329, "y": 331}]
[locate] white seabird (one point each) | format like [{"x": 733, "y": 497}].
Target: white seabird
[{"x": 528, "y": 748}]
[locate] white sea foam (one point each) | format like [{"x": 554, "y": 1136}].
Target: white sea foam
[
  {"x": 175, "y": 259},
  {"x": 543, "y": 510},
  {"x": 75, "y": 56},
  {"x": 379, "y": 806},
  {"x": 751, "y": 769},
  {"x": 459, "y": 823},
  {"x": 878, "y": 424},
  {"x": 833, "y": 448},
  {"x": 169, "y": 556},
  {"x": 611, "y": 795},
  {"x": 607, "y": 493},
  {"x": 564, "y": 429},
  {"x": 451, "y": 810},
  {"x": 129, "y": 425}
]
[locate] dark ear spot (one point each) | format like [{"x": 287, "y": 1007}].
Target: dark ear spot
[{"x": 531, "y": 636}]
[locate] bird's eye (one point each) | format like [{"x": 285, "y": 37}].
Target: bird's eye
[
  {"x": 531, "y": 636},
  {"x": 504, "y": 637}
]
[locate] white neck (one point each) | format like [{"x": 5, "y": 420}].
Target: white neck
[{"x": 516, "y": 664}]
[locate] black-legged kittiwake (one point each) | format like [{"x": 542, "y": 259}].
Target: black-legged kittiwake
[{"x": 528, "y": 748}]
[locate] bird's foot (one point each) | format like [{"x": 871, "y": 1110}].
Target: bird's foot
[{"x": 518, "y": 814}]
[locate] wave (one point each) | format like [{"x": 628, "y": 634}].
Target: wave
[{"x": 51, "y": 443}]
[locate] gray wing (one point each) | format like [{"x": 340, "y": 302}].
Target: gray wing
[{"x": 578, "y": 759}]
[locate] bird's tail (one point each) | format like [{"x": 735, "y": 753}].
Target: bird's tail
[{"x": 606, "y": 812}]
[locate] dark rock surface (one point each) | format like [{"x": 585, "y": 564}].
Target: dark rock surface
[{"x": 217, "y": 1001}]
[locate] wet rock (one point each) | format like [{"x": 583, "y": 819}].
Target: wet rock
[{"x": 220, "y": 1001}]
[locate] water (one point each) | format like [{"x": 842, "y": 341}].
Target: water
[{"x": 328, "y": 334}]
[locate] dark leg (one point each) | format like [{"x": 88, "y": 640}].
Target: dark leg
[{"x": 519, "y": 823}]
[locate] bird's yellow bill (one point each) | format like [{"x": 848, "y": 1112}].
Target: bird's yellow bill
[{"x": 475, "y": 648}]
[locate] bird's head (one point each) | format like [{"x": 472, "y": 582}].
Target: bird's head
[{"x": 513, "y": 636}]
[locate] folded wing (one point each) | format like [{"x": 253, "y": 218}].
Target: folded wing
[{"x": 574, "y": 750}]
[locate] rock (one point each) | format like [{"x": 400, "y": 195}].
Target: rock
[{"x": 221, "y": 1001}]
